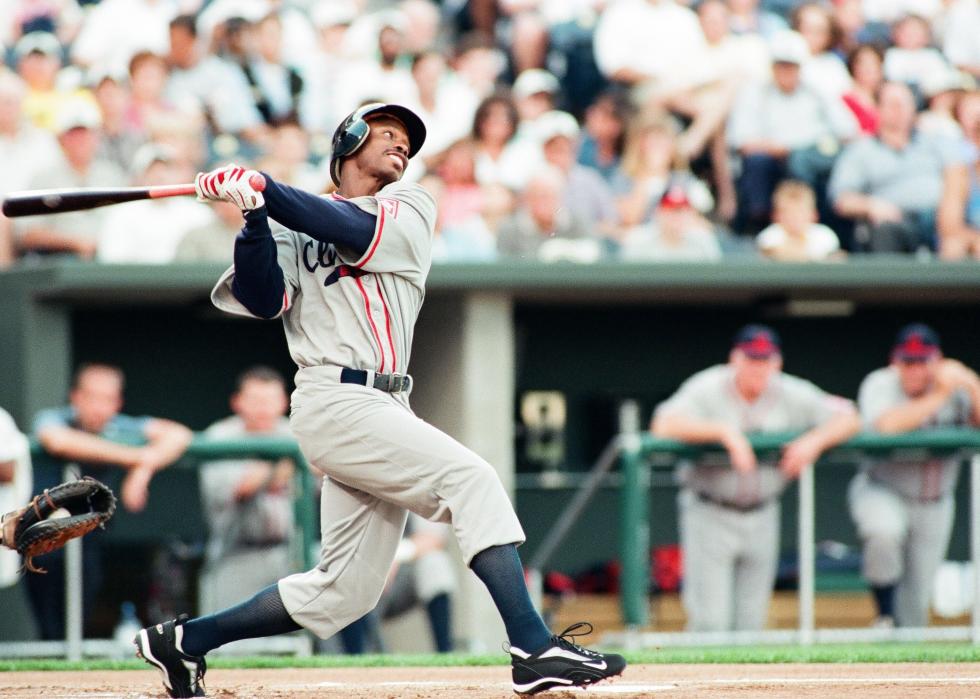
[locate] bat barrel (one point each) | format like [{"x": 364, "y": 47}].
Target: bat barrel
[{"x": 56, "y": 201}]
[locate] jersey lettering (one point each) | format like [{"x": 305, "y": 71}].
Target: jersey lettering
[{"x": 326, "y": 255}]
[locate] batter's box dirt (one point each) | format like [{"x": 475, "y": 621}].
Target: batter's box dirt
[{"x": 858, "y": 681}]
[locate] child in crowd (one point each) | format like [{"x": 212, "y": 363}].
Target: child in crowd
[
  {"x": 795, "y": 235},
  {"x": 913, "y": 57}
]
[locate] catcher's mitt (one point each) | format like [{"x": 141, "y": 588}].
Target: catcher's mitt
[{"x": 33, "y": 531}]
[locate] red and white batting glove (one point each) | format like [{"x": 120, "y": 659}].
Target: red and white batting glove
[
  {"x": 244, "y": 189},
  {"x": 210, "y": 186}
]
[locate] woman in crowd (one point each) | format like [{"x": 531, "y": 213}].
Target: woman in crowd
[
  {"x": 650, "y": 163},
  {"x": 825, "y": 72},
  {"x": 864, "y": 64},
  {"x": 499, "y": 159},
  {"x": 604, "y": 136}
]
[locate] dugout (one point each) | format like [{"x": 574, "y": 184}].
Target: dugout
[{"x": 489, "y": 334}]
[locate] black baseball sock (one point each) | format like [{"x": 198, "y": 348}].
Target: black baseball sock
[
  {"x": 499, "y": 567},
  {"x": 885, "y": 598},
  {"x": 263, "y": 615},
  {"x": 439, "y": 621}
]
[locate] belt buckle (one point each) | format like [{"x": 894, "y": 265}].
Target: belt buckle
[
  {"x": 395, "y": 383},
  {"x": 399, "y": 383}
]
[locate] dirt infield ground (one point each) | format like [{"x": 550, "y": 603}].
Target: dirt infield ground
[{"x": 950, "y": 681}]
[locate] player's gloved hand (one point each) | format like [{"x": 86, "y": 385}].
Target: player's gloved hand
[
  {"x": 210, "y": 186},
  {"x": 243, "y": 188}
]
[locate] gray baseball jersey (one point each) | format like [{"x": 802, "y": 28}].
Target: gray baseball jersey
[
  {"x": 344, "y": 310},
  {"x": 730, "y": 554},
  {"x": 341, "y": 309},
  {"x": 788, "y": 404},
  {"x": 917, "y": 479},
  {"x": 265, "y": 519},
  {"x": 904, "y": 509}
]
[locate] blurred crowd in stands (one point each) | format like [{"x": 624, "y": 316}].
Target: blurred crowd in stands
[{"x": 558, "y": 129}]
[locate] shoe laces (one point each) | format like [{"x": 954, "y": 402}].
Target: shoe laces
[
  {"x": 581, "y": 628},
  {"x": 202, "y": 667},
  {"x": 200, "y": 663}
]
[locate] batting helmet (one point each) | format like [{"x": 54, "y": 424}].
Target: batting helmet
[{"x": 353, "y": 132}]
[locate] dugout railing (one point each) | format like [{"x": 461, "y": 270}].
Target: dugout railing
[
  {"x": 201, "y": 450},
  {"x": 638, "y": 454}
]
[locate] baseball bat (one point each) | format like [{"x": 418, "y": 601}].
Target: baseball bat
[{"x": 59, "y": 201}]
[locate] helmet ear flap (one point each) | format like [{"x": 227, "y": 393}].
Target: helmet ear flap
[{"x": 349, "y": 137}]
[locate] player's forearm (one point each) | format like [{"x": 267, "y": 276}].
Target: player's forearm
[
  {"x": 74, "y": 445},
  {"x": 836, "y": 430},
  {"x": 912, "y": 414},
  {"x": 688, "y": 429},
  {"x": 338, "y": 222},
  {"x": 6, "y": 471},
  {"x": 853, "y": 205},
  {"x": 170, "y": 440},
  {"x": 259, "y": 284}
]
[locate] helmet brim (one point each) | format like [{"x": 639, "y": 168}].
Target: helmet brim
[{"x": 413, "y": 124}]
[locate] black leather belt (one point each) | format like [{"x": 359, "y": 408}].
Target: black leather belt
[
  {"x": 389, "y": 383},
  {"x": 732, "y": 505}
]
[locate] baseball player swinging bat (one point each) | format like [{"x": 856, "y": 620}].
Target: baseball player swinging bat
[{"x": 58, "y": 201}]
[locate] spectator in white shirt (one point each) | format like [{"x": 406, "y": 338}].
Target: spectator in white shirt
[
  {"x": 148, "y": 232},
  {"x": 783, "y": 128},
  {"x": 824, "y": 71},
  {"x": 76, "y": 233},
  {"x": 277, "y": 87},
  {"x": 32, "y": 149},
  {"x": 445, "y": 104},
  {"x": 500, "y": 159},
  {"x": 218, "y": 86},
  {"x": 320, "y": 111},
  {"x": 795, "y": 235},
  {"x": 888, "y": 11},
  {"x": 114, "y": 30},
  {"x": 912, "y": 59},
  {"x": 386, "y": 77},
  {"x": 740, "y": 56},
  {"x": 960, "y": 43},
  {"x": 658, "y": 47}
]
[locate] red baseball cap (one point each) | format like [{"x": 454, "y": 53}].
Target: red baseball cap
[
  {"x": 758, "y": 341},
  {"x": 916, "y": 343}
]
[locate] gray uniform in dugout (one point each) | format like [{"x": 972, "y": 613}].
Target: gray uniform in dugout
[
  {"x": 729, "y": 512},
  {"x": 379, "y": 458},
  {"x": 903, "y": 507}
]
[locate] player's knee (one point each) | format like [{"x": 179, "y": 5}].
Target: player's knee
[
  {"x": 362, "y": 599},
  {"x": 882, "y": 532}
]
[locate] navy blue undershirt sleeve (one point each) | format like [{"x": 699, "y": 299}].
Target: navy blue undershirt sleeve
[
  {"x": 258, "y": 284},
  {"x": 327, "y": 220}
]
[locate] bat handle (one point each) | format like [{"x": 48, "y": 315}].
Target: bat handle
[{"x": 257, "y": 182}]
